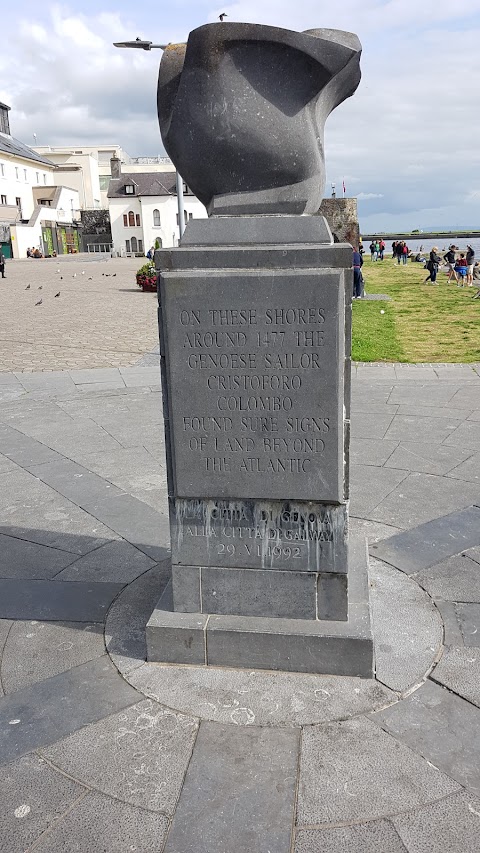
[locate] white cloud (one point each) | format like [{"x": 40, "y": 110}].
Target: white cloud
[
  {"x": 367, "y": 196},
  {"x": 407, "y": 139}
]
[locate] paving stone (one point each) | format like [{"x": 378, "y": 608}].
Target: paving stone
[
  {"x": 451, "y": 625},
  {"x": 467, "y": 434},
  {"x": 352, "y": 771},
  {"x": 415, "y": 373},
  {"x": 433, "y": 394},
  {"x": 370, "y": 451},
  {"x": 373, "y": 530},
  {"x": 239, "y": 792},
  {"x": 475, "y": 416},
  {"x": 426, "y": 458},
  {"x": 52, "y": 380},
  {"x": 116, "y": 562},
  {"x": 56, "y": 600},
  {"x": 370, "y": 425},
  {"x": 376, "y": 837},
  {"x": 468, "y": 616},
  {"x": 423, "y": 497},
  {"x": 133, "y": 376},
  {"x": 38, "y": 650},
  {"x": 456, "y": 373},
  {"x": 367, "y": 406},
  {"x": 22, "y": 559},
  {"x": 455, "y": 579},
  {"x": 101, "y": 824},
  {"x": 404, "y": 428},
  {"x": 96, "y": 375},
  {"x": 22, "y": 449},
  {"x": 369, "y": 486},
  {"x": 466, "y": 398},
  {"x": 9, "y": 378},
  {"x": 69, "y": 436},
  {"x": 137, "y": 523},
  {"x": 5, "y": 625},
  {"x": 148, "y": 745},
  {"x": 253, "y": 697},
  {"x": 469, "y": 470},
  {"x": 97, "y": 387},
  {"x": 75, "y": 483},
  {"x": 6, "y": 464},
  {"x": 56, "y": 523},
  {"x": 131, "y": 469},
  {"x": 459, "y": 670},
  {"x": 450, "y": 826},
  {"x": 405, "y": 655},
  {"x": 430, "y": 543},
  {"x": 376, "y": 373},
  {"x": 58, "y": 706},
  {"x": 125, "y": 626},
  {"x": 32, "y": 798},
  {"x": 433, "y": 412},
  {"x": 440, "y": 726}
]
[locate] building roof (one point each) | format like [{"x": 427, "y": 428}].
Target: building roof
[
  {"x": 9, "y": 145},
  {"x": 145, "y": 183}
]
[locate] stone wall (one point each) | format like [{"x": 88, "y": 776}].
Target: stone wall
[{"x": 342, "y": 217}]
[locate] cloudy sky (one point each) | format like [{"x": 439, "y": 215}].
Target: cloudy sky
[{"x": 407, "y": 143}]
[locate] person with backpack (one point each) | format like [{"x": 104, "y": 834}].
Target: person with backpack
[
  {"x": 405, "y": 252},
  {"x": 372, "y": 250},
  {"x": 432, "y": 265}
]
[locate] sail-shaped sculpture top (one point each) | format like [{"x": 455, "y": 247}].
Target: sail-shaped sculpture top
[{"x": 242, "y": 109}]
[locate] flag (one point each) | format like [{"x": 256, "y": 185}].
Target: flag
[{"x": 343, "y": 185}]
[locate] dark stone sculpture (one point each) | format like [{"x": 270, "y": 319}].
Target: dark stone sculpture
[{"x": 242, "y": 109}]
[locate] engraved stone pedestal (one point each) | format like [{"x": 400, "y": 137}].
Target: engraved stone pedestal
[{"x": 254, "y": 316}]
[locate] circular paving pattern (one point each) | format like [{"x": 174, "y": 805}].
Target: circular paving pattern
[{"x": 408, "y": 636}]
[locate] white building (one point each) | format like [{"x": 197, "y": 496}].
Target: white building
[
  {"x": 143, "y": 210},
  {"x": 34, "y": 211},
  {"x": 92, "y": 165}
]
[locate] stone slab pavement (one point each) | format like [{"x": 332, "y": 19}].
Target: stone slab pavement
[
  {"x": 100, "y": 751},
  {"x": 74, "y": 312}
]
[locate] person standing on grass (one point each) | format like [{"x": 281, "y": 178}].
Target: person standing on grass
[
  {"x": 394, "y": 250},
  {"x": 372, "y": 250},
  {"x": 405, "y": 251},
  {"x": 450, "y": 259},
  {"x": 2, "y": 263},
  {"x": 470, "y": 263},
  {"x": 432, "y": 265},
  {"x": 357, "y": 262},
  {"x": 382, "y": 249}
]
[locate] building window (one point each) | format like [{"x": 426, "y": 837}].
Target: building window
[
  {"x": 190, "y": 216},
  {"x": 25, "y": 174},
  {"x": 140, "y": 246},
  {"x": 156, "y": 218},
  {"x": 2, "y": 170},
  {"x": 137, "y": 217},
  {"x": 134, "y": 244},
  {"x": 4, "y": 125},
  {"x": 129, "y": 189},
  {"x": 44, "y": 179},
  {"x": 127, "y": 245},
  {"x": 18, "y": 201},
  {"x": 131, "y": 218},
  {"x": 104, "y": 181},
  {"x": 125, "y": 220},
  {"x": 16, "y": 172},
  {"x": 37, "y": 177},
  {"x": 178, "y": 221},
  {"x": 3, "y": 199}
]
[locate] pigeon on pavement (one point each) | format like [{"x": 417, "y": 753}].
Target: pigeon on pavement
[
  {"x": 27, "y": 287},
  {"x": 41, "y": 287},
  {"x": 57, "y": 294},
  {"x": 39, "y": 302}
]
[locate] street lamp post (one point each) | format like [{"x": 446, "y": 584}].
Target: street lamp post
[{"x": 141, "y": 44}]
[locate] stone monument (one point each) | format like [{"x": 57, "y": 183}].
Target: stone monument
[{"x": 254, "y": 318}]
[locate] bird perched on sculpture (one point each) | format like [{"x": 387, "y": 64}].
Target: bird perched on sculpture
[{"x": 222, "y": 16}]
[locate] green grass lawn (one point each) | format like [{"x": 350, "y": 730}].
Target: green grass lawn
[{"x": 421, "y": 323}]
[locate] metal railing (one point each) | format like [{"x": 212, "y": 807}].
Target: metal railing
[{"x": 100, "y": 248}]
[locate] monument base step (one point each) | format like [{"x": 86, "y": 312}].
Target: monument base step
[{"x": 251, "y": 642}]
